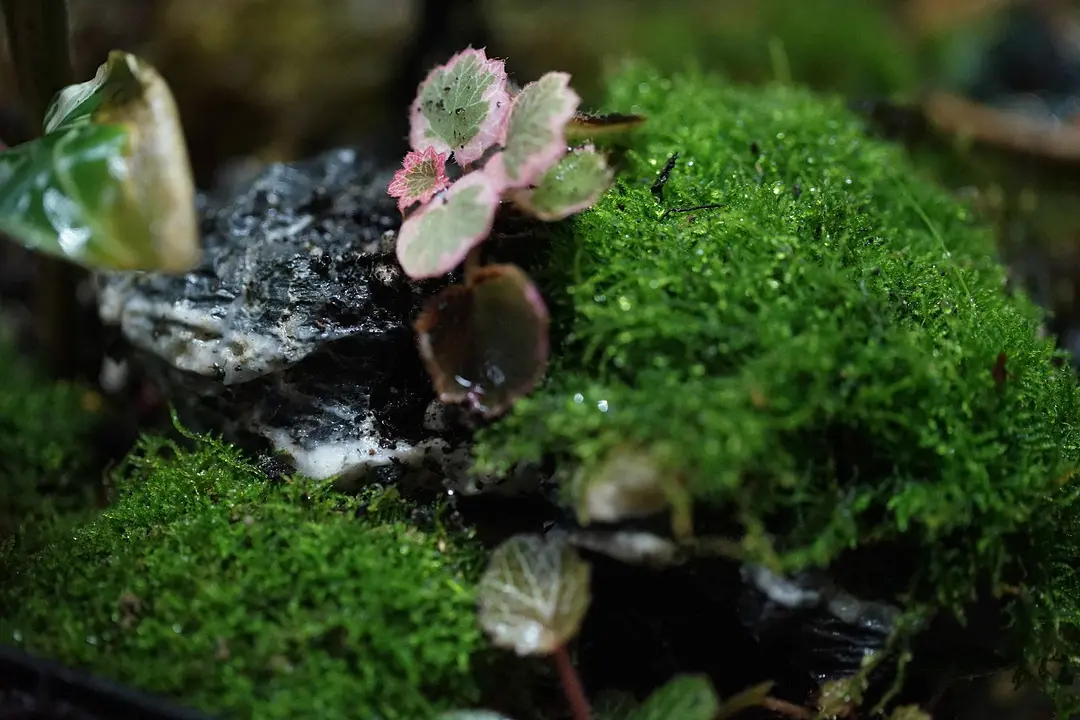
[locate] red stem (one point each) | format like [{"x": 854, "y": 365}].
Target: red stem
[{"x": 575, "y": 693}]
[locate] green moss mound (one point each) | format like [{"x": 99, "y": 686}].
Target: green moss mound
[
  {"x": 819, "y": 357},
  {"x": 46, "y": 457},
  {"x": 248, "y": 597}
]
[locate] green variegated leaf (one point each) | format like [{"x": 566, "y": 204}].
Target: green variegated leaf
[
  {"x": 438, "y": 236},
  {"x": 461, "y": 107},
  {"x": 109, "y": 185},
  {"x": 575, "y": 183},
  {"x": 535, "y": 131}
]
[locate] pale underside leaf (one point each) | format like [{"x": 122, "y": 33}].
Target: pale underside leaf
[
  {"x": 435, "y": 239},
  {"x": 534, "y": 594},
  {"x": 461, "y": 107},
  {"x": 536, "y": 131}
]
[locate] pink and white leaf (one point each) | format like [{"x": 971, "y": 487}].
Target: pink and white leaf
[
  {"x": 461, "y": 107},
  {"x": 575, "y": 183},
  {"x": 536, "y": 131},
  {"x": 422, "y": 175},
  {"x": 438, "y": 236}
]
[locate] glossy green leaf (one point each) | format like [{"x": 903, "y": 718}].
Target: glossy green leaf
[
  {"x": 109, "y": 185},
  {"x": 534, "y": 594}
]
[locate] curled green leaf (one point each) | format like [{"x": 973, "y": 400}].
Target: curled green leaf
[
  {"x": 534, "y": 594},
  {"x": 109, "y": 185},
  {"x": 575, "y": 183}
]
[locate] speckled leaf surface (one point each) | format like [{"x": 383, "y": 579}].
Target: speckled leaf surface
[{"x": 461, "y": 107}]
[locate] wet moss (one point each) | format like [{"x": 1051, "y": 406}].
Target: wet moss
[
  {"x": 830, "y": 358},
  {"x": 47, "y": 472},
  {"x": 250, "y": 597}
]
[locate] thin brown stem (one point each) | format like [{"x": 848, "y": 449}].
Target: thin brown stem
[
  {"x": 39, "y": 43},
  {"x": 783, "y": 707},
  {"x": 571, "y": 683},
  {"x": 472, "y": 264}
]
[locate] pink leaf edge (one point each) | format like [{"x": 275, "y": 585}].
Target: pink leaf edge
[
  {"x": 422, "y": 175},
  {"x": 421, "y": 263},
  {"x": 540, "y": 162},
  {"x": 491, "y": 128}
]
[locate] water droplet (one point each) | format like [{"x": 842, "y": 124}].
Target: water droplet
[
  {"x": 176, "y": 628},
  {"x": 579, "y": 398},
  {"x": 17, "y": 636},
  {"x": 602, "y": 406},
  {"x": 91, "y": 640},
  {"x": 624, "y": 304}
]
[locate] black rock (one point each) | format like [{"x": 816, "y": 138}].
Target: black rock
[{"x": 295, "y": 329}]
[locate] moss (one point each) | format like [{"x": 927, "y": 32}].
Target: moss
[
  {"x": 247, "y": 597},
  {"x": 46, "y": 458},
  {"x": 817, "y": 358}
]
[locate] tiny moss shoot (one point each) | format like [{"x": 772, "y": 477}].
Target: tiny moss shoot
[
  {"x": 812, "y": 352},
  {"x": 247, "y": 597}
]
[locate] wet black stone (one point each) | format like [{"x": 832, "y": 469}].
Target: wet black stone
[{"x": 294, "y": 331}]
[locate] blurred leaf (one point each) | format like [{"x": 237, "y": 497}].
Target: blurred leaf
[
  {"x": 534, "y": 594},
  {"x": 109, "y": 185},
  {"x": 910, "y": 712},
  {"x": 437, "y": 237},
  {"x": 626, "y": 485},
  {"x": 422, "y": 175},
  {"x": 629, "y": 484},
  {"x": 583, "y": 125},
  {"x": 485, "y": 343},
  {"x": 471, "y": 715},
  {"x": 535, "y": 132},
  {"x": 686, "y": 697},
  {"x": 461, "y": 107},
  {"x": 573, "y": 184}
]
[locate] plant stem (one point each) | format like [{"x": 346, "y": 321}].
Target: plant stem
[
  {"x": 39, "y": 44},
  {"x": 783, "y": 707},
  {"x": 575, "y": 693},
  {"x": 472, "y": 264}
]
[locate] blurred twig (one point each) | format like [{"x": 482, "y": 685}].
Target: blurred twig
[{"x": 38, "y": 36}]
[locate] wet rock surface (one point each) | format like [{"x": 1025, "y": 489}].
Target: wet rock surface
[{"x": 295, "y": 329}]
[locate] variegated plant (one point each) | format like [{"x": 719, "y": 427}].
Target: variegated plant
[{"x": 485, "y": 343}]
